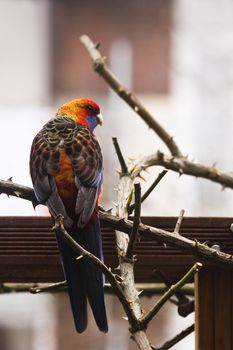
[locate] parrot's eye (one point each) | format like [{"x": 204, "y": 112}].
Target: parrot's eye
[{"x": 90, "y": 108}]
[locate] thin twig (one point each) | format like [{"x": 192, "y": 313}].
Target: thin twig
[
  {"x": 101, "y": 67},
  {"x": 136, "y": 222},
  {"x": 145, "y": 289},
  {"x": 154, "y": 184},
  {"x": 15, "y": 287},
  {"x": 150, "y": 289},
  {"x": 124, "y": 169},
  {"x": 52, "y": 287},
  {"x": 179, "y": 222},
  {"x": 170, "y": 343},
  {"x": 184, "y": 305},
  {"x": 149, "y": 190},
  {"x": 171, "y": 291},
  {"x": 180, "y": 296}
]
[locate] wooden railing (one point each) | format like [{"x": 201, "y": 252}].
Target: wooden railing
[{"x": 28, "y": 253}]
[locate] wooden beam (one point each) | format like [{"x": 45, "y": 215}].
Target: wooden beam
[{"x": 28, "y": 250}]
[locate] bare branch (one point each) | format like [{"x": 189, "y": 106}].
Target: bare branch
[
  {"x": 125, "y": 192},
  {"x": 12, "y": 189},
  {"x": 182, "y": 165},
  {"x": 170, "y": 343},
  {"x": 149, "y": 289},
  {"x": 15, "y": 287},
  {"x": 193, "y": 247},
  {"x": 136, "y": 222},
  {"x": 177, "y": 162},
  {"x": 171, "y": 291},
  {"x": 52, "y": 287},
  {"x": 179, "y": 222},
  {"x": 103, "y": 70},
  {"x": 179, "y": 295},
  {"x": 124, "y": 169},
  {"x": 185, "y": 305},
  {"x": 145, "y": 289},
  {"x": 149, "y": 190}
]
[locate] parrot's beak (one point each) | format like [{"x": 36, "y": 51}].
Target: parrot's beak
[{"x": 99, "y": 119}]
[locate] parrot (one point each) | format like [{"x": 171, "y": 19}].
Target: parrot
[{"x": 66, "y": 167}]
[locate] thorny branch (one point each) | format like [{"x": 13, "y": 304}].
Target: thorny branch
[
  {"x": 126, "y": 263},
  {"x": 10, "y": 188},
  {"x": 176, "y": 161},
  {"x": 171, "y": 291},
  {"x": 126, "y": 250},
  {"x": 182, "y": 165},
  {"x": 177, "y": 241},
  {"x": 103, "y": 70},
  {"x": 185, "y": 306}
]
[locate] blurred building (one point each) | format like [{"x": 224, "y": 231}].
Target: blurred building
[{"x": 146, "y": 28}]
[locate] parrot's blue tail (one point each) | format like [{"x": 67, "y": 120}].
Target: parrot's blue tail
[{"x": 84, "y": 280}]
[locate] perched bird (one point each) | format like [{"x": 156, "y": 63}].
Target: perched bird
[{"x": 67, "y": 171}]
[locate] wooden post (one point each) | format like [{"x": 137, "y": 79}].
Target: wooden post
[{"x": 214, "y": 309}]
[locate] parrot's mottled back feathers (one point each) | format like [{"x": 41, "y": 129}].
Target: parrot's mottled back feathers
[{"x": 81, "y": 146}]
